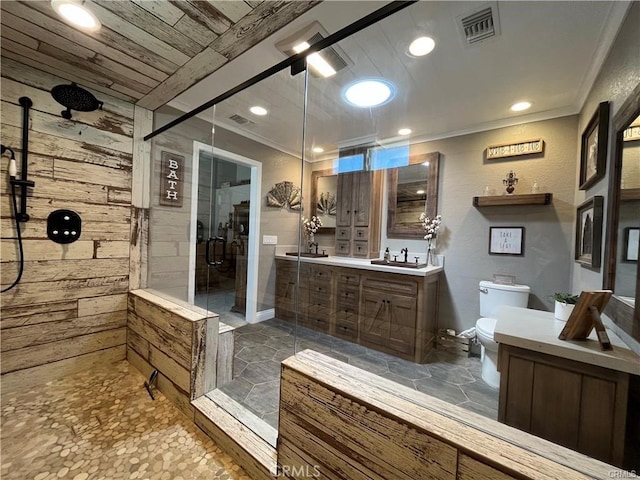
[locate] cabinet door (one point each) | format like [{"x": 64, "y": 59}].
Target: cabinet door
[
  {"x": 344, "y": 199},
  {"x": 402, "y": 323},
  {"x": 361, "y": 198},
  {"x": 374, "y": 326}
]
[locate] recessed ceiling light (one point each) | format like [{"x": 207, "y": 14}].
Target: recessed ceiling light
[
  {"x": 404, "y": 131},
  {"x": 318, "y": 149},
  {"x": 369, "y": 93},
  {"x": 426, "y": 164},
  {"x": 421, "y": 46},
  {"x": 520, "y": 106},
  {"x": 257, "y": 110},
  {"x": 420, "y": 192},
  {"x": 75, "y": 13}
]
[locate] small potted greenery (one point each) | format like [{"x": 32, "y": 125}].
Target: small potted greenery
[{"x": 564, "y": 303}]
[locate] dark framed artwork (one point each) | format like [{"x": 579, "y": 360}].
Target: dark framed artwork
[
  {"x": 630, "y": 246},
  {"x": 588, "y": 245},
  {"x": 593, "y": 148},
  {"x": 506, "y": 241}
]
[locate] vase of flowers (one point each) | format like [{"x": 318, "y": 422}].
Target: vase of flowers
[
  {"x": 432, "y": 228},
  {"x": 310, "y": 226}
]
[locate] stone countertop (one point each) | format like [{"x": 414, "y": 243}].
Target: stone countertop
[
  {"x": 538, "y": 331},
  {"x": 363, "y": 264}
]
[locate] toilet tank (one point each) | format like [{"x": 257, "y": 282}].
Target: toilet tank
[{"x": 493, "y": 295}]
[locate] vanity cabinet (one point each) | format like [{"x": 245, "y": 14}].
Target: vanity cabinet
[
  {"x": 390, "y": 312},
  {"x": 358, "y": 214},
  {"x": 574, "y": 404}
]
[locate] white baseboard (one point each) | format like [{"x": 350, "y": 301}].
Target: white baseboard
[{"x": 263, "y": 315}]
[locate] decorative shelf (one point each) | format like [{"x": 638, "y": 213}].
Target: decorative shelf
[
  {"x": 629, "y": 194},
  {"x": 524, "y": 199}
]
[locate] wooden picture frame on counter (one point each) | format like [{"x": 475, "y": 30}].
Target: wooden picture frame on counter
[{"x": 586, "y": 316}]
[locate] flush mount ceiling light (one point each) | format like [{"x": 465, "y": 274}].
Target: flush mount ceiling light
[
  {"x": 404, "y": 131},
  {"x": 75, "y": 13},
  {"x": 257, "y": 110},
  {"x": 318, "y": 149},
  {"x": 520, "y": 106},
  {"x": 368, "y": 93},
  {"x": 316, "y": 61},
  {"x": 421, "y": 46}
]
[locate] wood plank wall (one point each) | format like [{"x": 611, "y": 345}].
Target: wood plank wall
[
  {"x": 179, "y": 342},
  {"x": 69, "y": 311},
  {"x": 340, "y": 422}
]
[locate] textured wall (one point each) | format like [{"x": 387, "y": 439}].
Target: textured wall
[
  {"x": 69, "y": 310},
  {"x": 618, "y": 77}
]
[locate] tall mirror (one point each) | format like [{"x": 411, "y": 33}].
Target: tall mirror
[
  {"x": 324, "y": 188},
  {"x": 623, "y": 231},
  {"x": 411, "y": 190}
]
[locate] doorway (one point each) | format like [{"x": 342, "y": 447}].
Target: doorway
[{"x": 224, "y": 241}]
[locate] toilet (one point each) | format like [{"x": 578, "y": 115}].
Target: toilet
[{"x": 492, "y": 296}]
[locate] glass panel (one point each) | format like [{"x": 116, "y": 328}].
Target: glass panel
[{"x": 172, "y": 225}]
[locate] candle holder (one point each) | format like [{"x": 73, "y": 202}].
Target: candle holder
[{"x": 510, "y": 182}]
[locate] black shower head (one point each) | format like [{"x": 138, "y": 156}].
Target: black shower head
[{"x": 74, "y": 98}]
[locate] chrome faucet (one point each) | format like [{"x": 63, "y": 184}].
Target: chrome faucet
[{"x": 406, "y": 252}]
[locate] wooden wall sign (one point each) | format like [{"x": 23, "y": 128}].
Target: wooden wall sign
[
  {"x": 515, "y": 149},
  {"x": 633, "y": 132},
  {"x": 171, "y": 181}
]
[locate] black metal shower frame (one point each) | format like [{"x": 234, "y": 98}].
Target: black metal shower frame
[{"x": 296, "y": 62}]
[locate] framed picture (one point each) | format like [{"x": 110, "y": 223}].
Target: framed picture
[
  {"x": 593, "y": 150},
  {"x": 588, "y": 245},
  {"x": 506, "y": 241},
  {"x": 631, "y": 242}
]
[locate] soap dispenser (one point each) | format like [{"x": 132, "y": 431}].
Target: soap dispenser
[{"x": 387, "y": 255}]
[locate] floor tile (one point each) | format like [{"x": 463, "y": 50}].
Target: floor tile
[
  {"x": 256, "y": 353},
  {"x": 451, "y": 374},
  {"x": 238, "y": 389},
  {"x": 102, "y": 424},
  {"x": 261, "y": 372},
  {"x": 440, "y": 389},
  {"x": 264, "y": 398}
]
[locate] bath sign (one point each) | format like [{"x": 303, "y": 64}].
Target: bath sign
[
  {"x": 171, "y": 181},
  {"x": 515, "y": 149}
]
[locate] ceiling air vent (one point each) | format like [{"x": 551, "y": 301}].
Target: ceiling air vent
[
  {"x": 240, "y": 120},
  {"x": 480, "y": 25}
]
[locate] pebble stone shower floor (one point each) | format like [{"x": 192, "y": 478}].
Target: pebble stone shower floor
[{"x": 102, "y": 424}]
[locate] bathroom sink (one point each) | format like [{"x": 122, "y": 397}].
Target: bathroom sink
[
  {"x": 398, "y": 264},
  {"x": 307, "y": 254}
]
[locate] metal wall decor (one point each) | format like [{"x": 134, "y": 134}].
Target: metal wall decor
[{"x": 285, "y": 195}]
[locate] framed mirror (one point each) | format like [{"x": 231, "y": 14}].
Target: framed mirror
[
  {"x": 623, "y": 221},
  {"x": 411, "y": 190},
  {"x": 324, "y": 187}
]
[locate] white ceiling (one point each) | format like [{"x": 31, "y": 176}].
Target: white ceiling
[{"x": 547, "y": 53}]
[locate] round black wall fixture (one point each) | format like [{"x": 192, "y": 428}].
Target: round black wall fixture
[
  {"x": 64, "y": 226},
  {"x": 74, "y": 98}
]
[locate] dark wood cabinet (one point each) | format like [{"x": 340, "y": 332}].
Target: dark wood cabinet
[
  {"x": 358, "y": 214},
  {"x": 577, "y": 405},
  {"x": 390, "y": 312}
]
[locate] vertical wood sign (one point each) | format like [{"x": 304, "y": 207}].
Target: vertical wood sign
[{"x": 171, "y": 181}]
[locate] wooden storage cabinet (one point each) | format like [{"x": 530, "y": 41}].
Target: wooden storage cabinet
[
  {"x": 574, "y": 404},
  {"x": 358, "y": 215},
  {"x": 390, "y": 312}
]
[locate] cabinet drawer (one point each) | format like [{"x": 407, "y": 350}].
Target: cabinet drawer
[
  {"x": 348, "y": 296},
  {"x": 405, "y": 288},
  {"x": 343, "y": 233},
  {"x": 319, "y": 302},
  {"x": 343, "y": 247},
  {"x": 347, "y": 314},
  {"x": 345, "y": 279},
  {"x": 347, "y": 330},
  {"x": 320, "y": 272},
  {"x": 361, "y": 233},
  {"x": 360, "y": 249},
  {"x": 317, "y": 323},
  {"x": 321, "y": 290}
]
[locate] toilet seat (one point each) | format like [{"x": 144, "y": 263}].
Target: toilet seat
[{"x": 485, "y": 327}]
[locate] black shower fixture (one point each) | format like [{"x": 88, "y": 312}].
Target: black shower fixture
[{"x": 75, "y": 98}]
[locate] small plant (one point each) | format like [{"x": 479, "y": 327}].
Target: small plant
[{"x": 567, "y": 298}]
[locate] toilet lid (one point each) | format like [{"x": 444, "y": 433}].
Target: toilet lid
[{"x": 486, "y": 326}]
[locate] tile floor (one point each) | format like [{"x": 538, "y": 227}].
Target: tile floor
[
  {"x": 101, "y": 424},
  {"x": 259, "y": 349}
]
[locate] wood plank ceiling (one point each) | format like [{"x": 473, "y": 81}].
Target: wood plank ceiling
[{"x": 147, "y": 51}]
